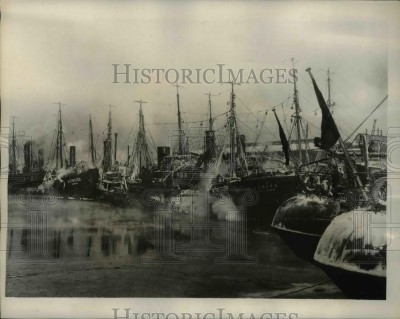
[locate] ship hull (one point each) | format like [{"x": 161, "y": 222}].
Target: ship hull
[
  {"x": 352, "y": 256},
  {"x": 302, "y": 245},
  {"x": 115, "y": 198},
  {"x": 78, "y": 185},
  {"x": 302, "y": 219},
  {"x": 148, "y": 196},
  {"x": 356, "y": 285},
  {"x": 24, "y": 181},
  {"x": 260, "y": 196}
]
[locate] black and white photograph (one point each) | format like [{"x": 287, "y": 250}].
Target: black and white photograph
[{"x": 199, "y": 159}]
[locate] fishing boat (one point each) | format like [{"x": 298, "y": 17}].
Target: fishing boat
[
  {"x": 331, "y": 186},
  {"x": 352, "y": 252},
  {"x": 177, "y": 170},
  {"x": 127, "y": 184},
  {"x": 147, "y": 183},
  {"x": 31, "y": 175},
  {"x": 259, "y": 191},
  {"x": 113, "y": 174},
  {"x": 142, "y": 164},
  {"x": 69, "y": 179}
]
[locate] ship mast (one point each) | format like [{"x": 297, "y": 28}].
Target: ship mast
[
  {"x": 209, "y": 140},
  {"x": 107, "y": 158},
  {"x": 329, "y": 102},
  {"x": 298, "y": 118},
  {"x": 347, "y": 157},
  {"x": 210, "y": 120},
  {"x": 180, "y": 142},
  {"x": 232, "y": 128},
  {"x": 13, "y": 162},
  {"x": 91, "y": 144},
  {"x": 141, "y": 147},
  {"x": 115, "y": 146},
  {"x": 109, "y": 126},
  {"x": 374, "y": 127},
  {"x": 60, "y": 136}
]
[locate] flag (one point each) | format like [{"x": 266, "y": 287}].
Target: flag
[
  {"x": 329, "y": 131},
  {"x": 284, "y": 141}
]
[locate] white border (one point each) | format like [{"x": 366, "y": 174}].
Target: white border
[{"x": 102, "y": 308}]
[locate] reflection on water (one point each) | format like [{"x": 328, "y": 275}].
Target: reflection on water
[
  {"x": 67, "y": 239},
  {"x": 95, "y": 231},
  {"x": 194, "y": 249}
]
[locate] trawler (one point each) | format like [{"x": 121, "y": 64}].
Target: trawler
[
  {"x": 69, "y": 178},
  {"x": 32, "y": 173},
  {"x": 338, "y": 183},
  {"x": 319, "y": 225},
  {"x": 113, "y": 173},
  {"x": 261, "y": 191},
  {"x": 145, "y": 182},
  {"x": 353, "y": 251}
]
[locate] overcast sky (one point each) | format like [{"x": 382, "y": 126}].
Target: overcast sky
[{"x": 64, "y": 51}]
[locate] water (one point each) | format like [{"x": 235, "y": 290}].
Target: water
[{"x": 71, "y": 248}]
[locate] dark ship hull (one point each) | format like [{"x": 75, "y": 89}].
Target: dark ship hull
[
  {"x": 357, "y": 285},
  {"x": 151, "y": 189},
  {"x": 146, "y": 195},
  {"x": 302, "y": 244},
  {"x": 353, "y": 256},
  {"x": 78, "y": 185},
  {"x": 108, "y": 185},
  {"x": 259, "y": 195},
  {"x": 24, "y": 181},
  {"x": 301, "y": 220}
]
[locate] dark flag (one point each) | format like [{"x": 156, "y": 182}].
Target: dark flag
[
  {"x": 329, "y": 131},
  {"x": 284, "y": 141}
]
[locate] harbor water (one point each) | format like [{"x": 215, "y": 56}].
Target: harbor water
[{"x": 77, "y": 248}]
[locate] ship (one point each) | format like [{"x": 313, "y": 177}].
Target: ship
[
  {"x": 176, "y": 169},
  {"x": 329, "y": 188},
  {"x": 32, "y": 173},
  {"x": 259, "y": 190},
  {"x": 337, "y": 184},
  {"x": 70, "y": 179},
  {"x": 78, "y": 181},
  {"x": 112, "y": 176},
  {"x": 123, "y": 184},
  {"x": 141, "y": 166},
  {"x": 145, "y": 183},
  {"x": 352, "y": 252}
]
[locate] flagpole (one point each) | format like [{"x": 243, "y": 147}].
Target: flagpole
[
  {"x": 353, "y": 169},
  {"x": 345, "y": 152}
]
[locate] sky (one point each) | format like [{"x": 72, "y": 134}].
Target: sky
[{"x": 60, "y": 51}]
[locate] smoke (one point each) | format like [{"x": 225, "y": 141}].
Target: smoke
[
  {"x": 226, "y": 210},
  {"x": 63, "y": 172},
  {"x": 200, "y": 204},
  {"x": 46, "y": 185}
]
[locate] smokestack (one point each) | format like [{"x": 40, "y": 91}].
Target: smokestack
[
  {"x": 128, "y": 156},
  {"x": 106, "y": 155},
  {"x": 115, "y": 147},
  {"x": 242, "y": 139},
  {"x": 72, "y": 159},
  {"x": 41, "y": 158},
  {"x": 27, "y": 157},
  {"x": 162, "y": 151},
  {"x": 209, "y": 145}
]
